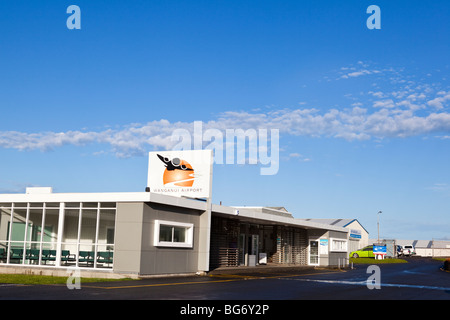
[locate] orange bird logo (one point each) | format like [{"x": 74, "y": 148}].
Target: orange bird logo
[{"x": 178, "y": 172}]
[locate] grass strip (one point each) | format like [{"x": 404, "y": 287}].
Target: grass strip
[
  {"x": 37, "y": 279},
  {"x": 376, "y": 261}
]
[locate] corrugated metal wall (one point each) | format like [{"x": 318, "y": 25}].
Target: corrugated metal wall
[{"x": 291, "y": 246}]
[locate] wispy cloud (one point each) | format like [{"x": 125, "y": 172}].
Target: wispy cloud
[
  {"x": 439, "y": 102},
  {"x": 403, "y": 108},
  {"x": 361, "y": 69},
  {"x": 299, "y": 157},
  {"x": 353, "y": 124},
  {"x": 439, "y": 187}
]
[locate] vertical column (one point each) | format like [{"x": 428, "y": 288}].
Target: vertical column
[
  {"x": 204, "y": 238},
  {"x": 41, "y": 238},
  {"x": 205, "y": 226},
  {"x": 25, "y": 238},
  {"x": 60, "y": 233},
  {"x": 80, "y": 212},
  {"x": 11, "y": 221},
  {"x": 96, "y": 235}
]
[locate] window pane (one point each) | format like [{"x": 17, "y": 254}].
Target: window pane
[
  {"x": 71, "y": 218},
  {"x": 107, "y": 205},
  {"x": 35, "y": 222},
  {"x": 18, "y": 227},
  {"x": 165, "y": 233},
  {"x": 72, "y": 204},
  {"x": 86, "y": 256},
  {"x": 5, "y": 218},
  {"x": 36, "y": 204},
  {"x": 90, "y": 204},
  {"x": 179, "y": 234},
  {"x": 52, "y": 204},
  {"x": 88, "y": 226},
  {"x": 3, "y": 251},
  {"x": 173, "y": 234},
  {"x": 106, "y": 227},
  {"x": 51, "y": 226}
]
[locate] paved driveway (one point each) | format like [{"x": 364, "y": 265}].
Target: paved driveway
[{"x": 418, "y": 279}]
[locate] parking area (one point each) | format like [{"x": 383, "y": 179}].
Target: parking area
[{"x": 419, "y": 279}]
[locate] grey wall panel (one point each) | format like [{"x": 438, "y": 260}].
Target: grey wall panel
[
  {"x": 128, "y": 237},
  {"x": 164, "y": 260}
]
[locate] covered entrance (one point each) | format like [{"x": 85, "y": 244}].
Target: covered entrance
[{"x": 239, "y": 243}]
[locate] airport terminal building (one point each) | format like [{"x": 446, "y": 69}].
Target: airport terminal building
[{"x": 156, "y": 232}]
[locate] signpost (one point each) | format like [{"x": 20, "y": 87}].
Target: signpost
[
  {"x": 186, "y": 173},
  {"x": 379, "y": 251},
  {"x": 181, "y": 173}
]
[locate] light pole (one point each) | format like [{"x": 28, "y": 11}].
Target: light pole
[{"x": 378, "y": 225}]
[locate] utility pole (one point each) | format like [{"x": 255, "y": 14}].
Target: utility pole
[{"x": 378, "y": 225}]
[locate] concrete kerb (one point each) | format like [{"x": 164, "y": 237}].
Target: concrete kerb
[
  {"x": 64, "y": 272},
  {"x": 243, "y": 271},
  {"x": 268, "y": 271}
]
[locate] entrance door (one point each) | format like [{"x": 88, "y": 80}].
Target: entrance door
[{"x": 314, "y": 252}]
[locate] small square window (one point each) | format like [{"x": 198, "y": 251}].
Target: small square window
[
  {"x": 338, "y": 245},
  {"x": 173, "y": 234}
]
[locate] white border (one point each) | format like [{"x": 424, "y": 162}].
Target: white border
[
  {"x": 338, "y": 239},
  {"x": 309, "y": 251},
  {"x": 189, "y": 234}
]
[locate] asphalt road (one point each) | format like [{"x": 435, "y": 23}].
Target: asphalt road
[{"x": 420, "y": 279}]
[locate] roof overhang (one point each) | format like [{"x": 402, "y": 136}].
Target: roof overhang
[
  {"x": 105, "y": 197},
  {"x": 243, "y": 214},
  {"x": 257, "y": 217}
]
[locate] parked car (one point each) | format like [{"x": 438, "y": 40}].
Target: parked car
[
  {"x": 366, "y": 252},
  {"x": 408, "y": 251},
  {"x": 399, "y": 250}
]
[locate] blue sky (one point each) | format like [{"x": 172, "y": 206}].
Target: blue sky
[{"x": 363, "y": 114}]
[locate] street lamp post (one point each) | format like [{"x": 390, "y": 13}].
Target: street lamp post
[{"x": 378, "y": 225}]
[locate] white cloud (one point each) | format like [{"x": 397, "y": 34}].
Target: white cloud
[
  {"x": 389, "y": 103},
  {"x": 350, "y": 124},
  {"x": 377, "y": 94},
  {"x": 295, "y": 155},
  {"x": 359, "y": 73},
  {"x": 439, "y": 102},
  {"x": 439, "y": 187},
  {"x": 361, "y": 69},
  {"x": 404, "y": 109}
]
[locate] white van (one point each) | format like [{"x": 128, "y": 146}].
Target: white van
[{"x": 408, "y": 250}]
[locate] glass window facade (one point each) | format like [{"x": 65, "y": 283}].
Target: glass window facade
[{"x": 58, "y": 234}]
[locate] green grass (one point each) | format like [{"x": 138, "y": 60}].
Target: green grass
[
  {"x": 36, "y": 279},
  {"x": 374, "y": 261},
  {"x": 441, "y": 259}
]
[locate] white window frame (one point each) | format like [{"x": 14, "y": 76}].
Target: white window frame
[
  {"x": 188, "y": 243},
  {"x": 333, "y": 246}
]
